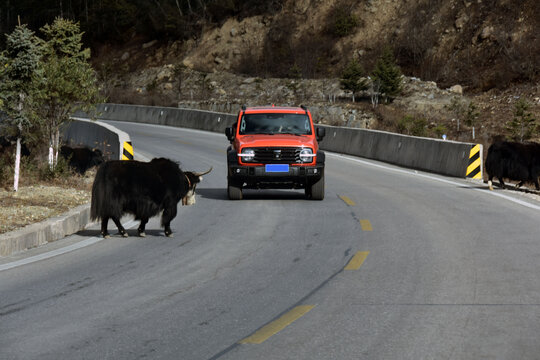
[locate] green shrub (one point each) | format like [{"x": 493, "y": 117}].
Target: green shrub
[
  {"x": 410, "y": 125},
  {"x": 439, "y": 130},
  {"x": 152, "y": 86},
  {"x": 342, "y": 22},
  {"x": 60, "y": 171},
  {"x": 295, "y": 72}
]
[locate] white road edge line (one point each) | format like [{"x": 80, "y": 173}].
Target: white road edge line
[
  {"x": 64, "y": 250},
  {"x": 450, "y": 182}
]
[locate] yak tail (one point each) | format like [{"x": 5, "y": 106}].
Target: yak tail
[{"x": 100, "y": 194}]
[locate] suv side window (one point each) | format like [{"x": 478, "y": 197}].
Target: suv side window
[{"x": 243, "y": 125}]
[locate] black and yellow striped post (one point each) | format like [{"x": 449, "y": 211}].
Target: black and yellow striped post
[
  {"x": 127, "y": 153},
  {"x": 474, "y": 170}
]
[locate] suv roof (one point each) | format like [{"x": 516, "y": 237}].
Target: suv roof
[{"x": 276, "y": 109}]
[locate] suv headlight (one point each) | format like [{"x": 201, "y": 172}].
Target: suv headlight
[
  {"x": 247, "y": 155},
  {"x": 306, "y": 155}
]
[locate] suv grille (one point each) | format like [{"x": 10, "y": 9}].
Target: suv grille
[{"x": 277, "y": 155}]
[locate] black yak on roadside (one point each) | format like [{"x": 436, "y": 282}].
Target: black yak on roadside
[
  {"x": 142, "y": 189},
  {"x": 81, "y": 159},
  {"x": 513, "y": 161}
]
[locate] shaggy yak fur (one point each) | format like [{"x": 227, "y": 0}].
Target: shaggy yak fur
[
  {"x": 81, "y": 159},
  {"x": 142, "y": 189},
  {"x": 513, "y": 161}
]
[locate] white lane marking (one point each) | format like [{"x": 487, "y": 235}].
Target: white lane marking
[
  {"x": 64, "y": 250},
  {"x": 426, "y": 176}
]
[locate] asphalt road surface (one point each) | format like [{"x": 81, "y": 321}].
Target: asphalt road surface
[{"x": 392, "y": 264}]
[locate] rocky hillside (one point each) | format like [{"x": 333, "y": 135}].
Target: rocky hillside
[{"x": 451, "y": 52}]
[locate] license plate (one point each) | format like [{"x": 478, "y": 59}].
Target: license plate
[{"x": 272, "y": 168}]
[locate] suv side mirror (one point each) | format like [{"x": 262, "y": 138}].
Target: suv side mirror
[
  {"x": 229, "y": 132},
  {"x": 321, "y": 132}
]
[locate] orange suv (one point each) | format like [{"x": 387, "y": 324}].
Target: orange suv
[{"x": 275, "y": 148}]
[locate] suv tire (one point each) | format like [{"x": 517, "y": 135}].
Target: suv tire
[
  {"x": 234, "y": 192},
  {"x": 315, "y": 191}
]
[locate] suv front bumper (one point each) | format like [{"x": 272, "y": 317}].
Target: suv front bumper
[{"x": 256, "y": 177}]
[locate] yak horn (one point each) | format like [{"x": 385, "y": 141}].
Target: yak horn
[{"x": 203, "y": 173}]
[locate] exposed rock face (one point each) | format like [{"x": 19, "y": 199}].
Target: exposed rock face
[
  {"x": 456, "y": 89},
  {"x": 226, "y": 92},
  {"x": 440, "y": 41},
  {"x": 451, "y": 42},
  {"x": 149, "y": 44},
  {"x": 487, "y": 33}
]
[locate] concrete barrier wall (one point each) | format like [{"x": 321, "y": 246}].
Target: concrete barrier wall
[
  {"x": 194, "y": 119},
  {"x": 96, "y": 135},
  {"x": 438, "y": 156}
]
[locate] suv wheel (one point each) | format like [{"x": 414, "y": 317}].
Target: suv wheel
[
  {"x": 234, "y": 192},
  {"x": 315, "y": 191}
]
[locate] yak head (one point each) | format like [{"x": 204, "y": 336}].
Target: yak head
[{"x": 193, "y": 178}]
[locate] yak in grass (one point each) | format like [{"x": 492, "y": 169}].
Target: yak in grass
[
  {"x": 143, "y": 189},
  {"x": 513, "y": 161},
  {"x": 81, "y": 159}
]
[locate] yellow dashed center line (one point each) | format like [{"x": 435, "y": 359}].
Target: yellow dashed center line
[
  {"x": 347, "y": 200},
  {"x": 366, "y": 225},
  {"x": 357, "y": 260},
  {"x": 276, "y": 326},
  {"x": 184, "y": 142}
]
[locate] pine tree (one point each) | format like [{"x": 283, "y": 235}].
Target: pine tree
[
  {"x": 70, "y": 82},
  {"x": 388, "y": 75},
  {"x": 352, "y": 78},
  {"x": 19, "y": 84},
  {"x": 523, "y": 126}
]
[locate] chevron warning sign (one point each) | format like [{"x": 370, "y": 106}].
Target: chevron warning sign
[
  {"x": 127, "y": 153},
  {"x": 474, "y": 170}
]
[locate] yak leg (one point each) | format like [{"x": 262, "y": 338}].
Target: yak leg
[
  {"x": 167, "y": 228},
  {"x": 502, "y": 183},
  {"x": 121, "y": 229},
  {"x": 142, "y": 227},
  {"x": 168, "y": 214},
  {"x": 104, "y": 232},
  {"x": 168, "y": 231},
  {"x": 490, "y": 183}
]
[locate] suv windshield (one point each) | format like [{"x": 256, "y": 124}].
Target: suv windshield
[{"x": 275, "y": 123}]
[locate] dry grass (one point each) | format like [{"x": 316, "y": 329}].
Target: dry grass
[{"x": 34, "y": 203}]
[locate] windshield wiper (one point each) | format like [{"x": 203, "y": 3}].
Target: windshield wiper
[{"x": 290, "y": 133}]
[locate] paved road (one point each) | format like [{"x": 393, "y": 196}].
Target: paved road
[{"x": 391, "y": 265}]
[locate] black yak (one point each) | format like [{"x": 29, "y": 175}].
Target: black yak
[
  {"x": 142, "y": 189},
  {"x": 81, "y": 159},
  {"x": 513, "y": 161}
]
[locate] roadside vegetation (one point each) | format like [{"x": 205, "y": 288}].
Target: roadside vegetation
[{"x": 43, "y": 80}]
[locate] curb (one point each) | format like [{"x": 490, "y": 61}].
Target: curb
[
  {"x": 52, "y": 229},
  {"x": 49, "y": 230}
]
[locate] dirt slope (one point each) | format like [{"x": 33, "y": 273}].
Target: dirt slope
[{"x": 490, "y": 48}]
